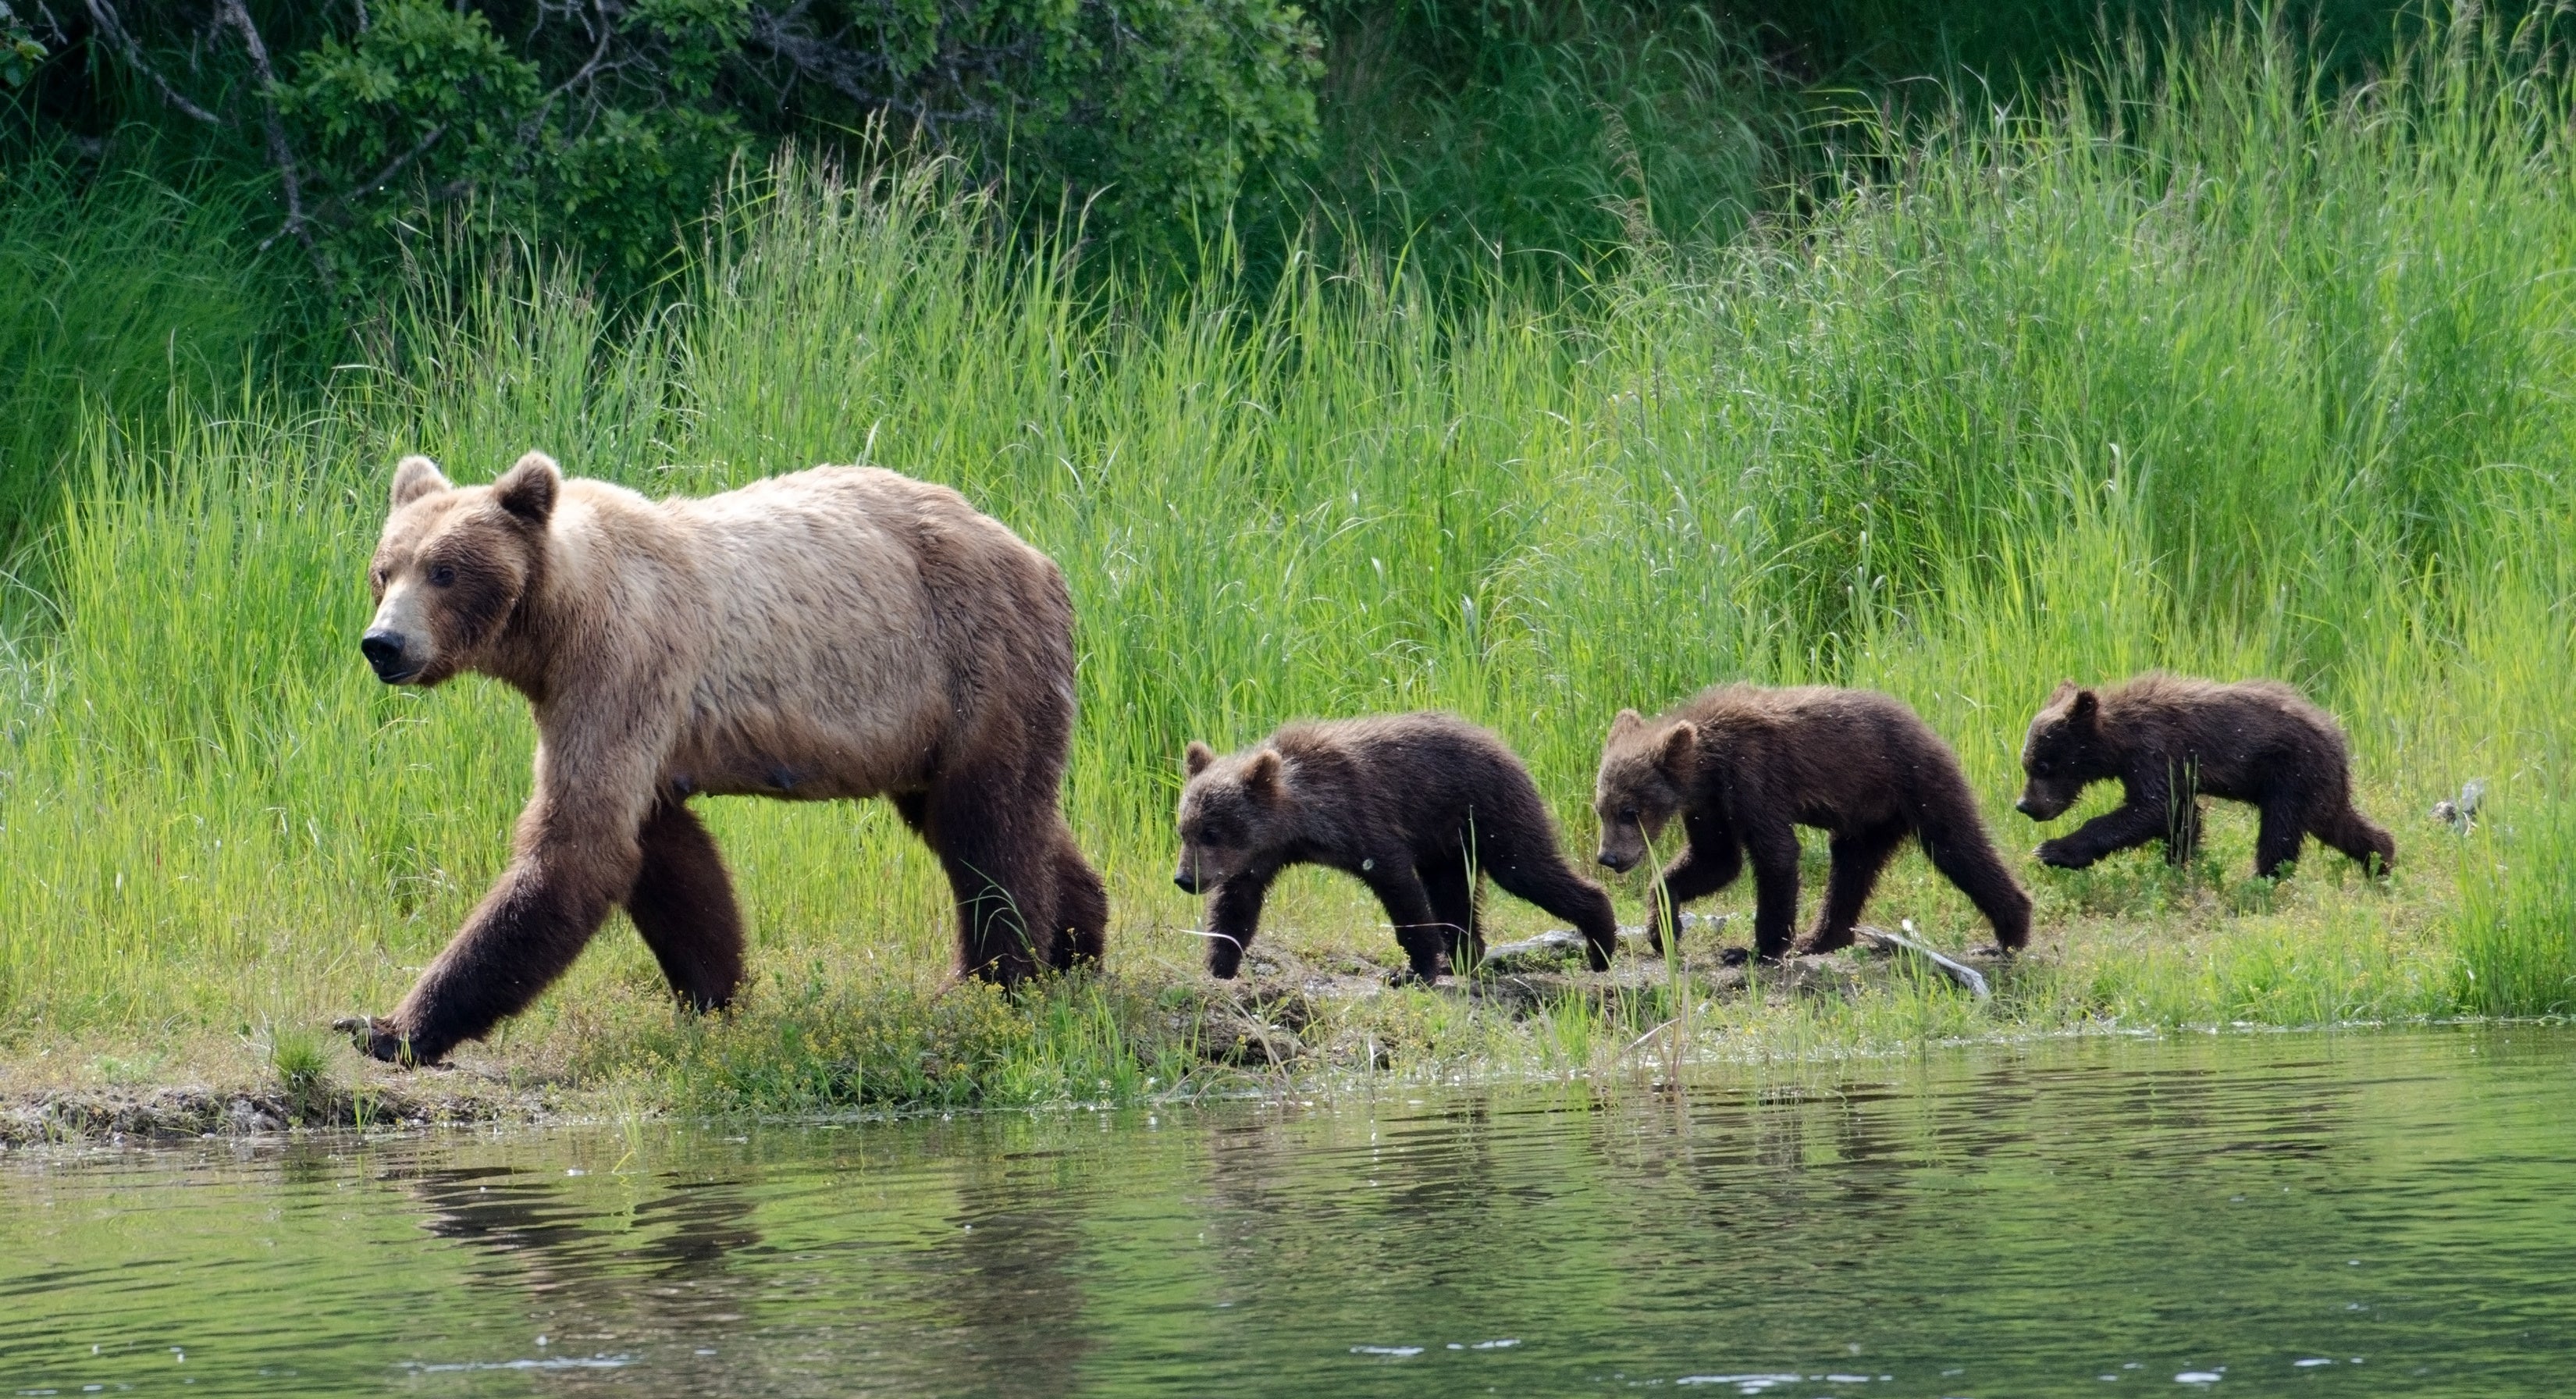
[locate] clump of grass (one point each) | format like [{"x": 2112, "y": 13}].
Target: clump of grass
[{"x": 2196, "y": 368}]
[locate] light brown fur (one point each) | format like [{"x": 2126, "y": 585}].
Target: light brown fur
[{"x": 838, "y": 633}]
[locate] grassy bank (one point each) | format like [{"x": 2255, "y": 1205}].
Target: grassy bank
[{"x": 2206, "y": 371}]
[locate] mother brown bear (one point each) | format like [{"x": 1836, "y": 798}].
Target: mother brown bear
[{"x": 838, "y": 632}]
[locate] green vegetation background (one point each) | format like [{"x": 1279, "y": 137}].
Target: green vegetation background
[{"x": 2234, "y": 350}]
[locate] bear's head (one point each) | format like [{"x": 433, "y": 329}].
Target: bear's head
[
  {"x": 453, "y": 565},
  {"x": 1235, "y": 812},
  {"x": 1644, "y": 782},
  {"x": 2064, "y": 753}
]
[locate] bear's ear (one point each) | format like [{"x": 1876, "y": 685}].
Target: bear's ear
[
  {"x": 2085, "y": 707},
  {"x": 1681, "y": 744},
  {"x": 1261, "y": 775},
  {"x": 1196, "y": 757},
  {"x": 414, "y": 477},
  {"x": 528, "y": 489},
  {"x": 2065, "y": 691},
  {"x": 1627, "y": 722}
]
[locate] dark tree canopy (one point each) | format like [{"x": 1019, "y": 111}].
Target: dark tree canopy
[{"x": 603, "y": 125}]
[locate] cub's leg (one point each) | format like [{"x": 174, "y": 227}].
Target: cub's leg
[
  {"x": 2281, "y": 828},
  {"x": 1857, "y": 860},
  {"x": 2143, "y": 817},
  {"x": 2354, "y": 834},
  {"x": 1408, "y": 907},
  {"x": 1707, "y": 864},
  {"x": 1773, "y": 850},
  {"x": 1534, "y": 871},
  {"x": 1956, "y": 844},
  {"x": 1233, "y": 916},
  {"x": 1452, "y": 891},
  {"x": 684, "y": 907}
]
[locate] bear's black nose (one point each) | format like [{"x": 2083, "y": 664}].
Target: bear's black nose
[
  {"x": 1611, "y": 860},
  {"x": 2026, "y": 807},
  {"x": 384, "y": 651},
  {"x": 1188, "y": 885}
]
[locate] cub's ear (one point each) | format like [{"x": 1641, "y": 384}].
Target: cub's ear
[
  {"x": 1628, "y": 722},
  {"x": 1262, "y": 774},
  {"x": 1681, "y": 744},
  {"x": 414, "y": 477},
  {"x": 2065, "y": 690},
  {"x": 2085, "y": 707},
  {"x": 1196, "y": 757},
  {"x": 528, "y": 490}
]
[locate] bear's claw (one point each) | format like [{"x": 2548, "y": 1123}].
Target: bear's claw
[{"x": 2053, "y": 854}]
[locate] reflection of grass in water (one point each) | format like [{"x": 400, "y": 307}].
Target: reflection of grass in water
[{"x": 2062, "y": 405}]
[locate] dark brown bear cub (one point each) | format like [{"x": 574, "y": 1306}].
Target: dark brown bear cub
[
  {"x": 1418, "y": 806},
  {"x": 1741, "y": 766},
  {"x": 2171, "y": 740}
]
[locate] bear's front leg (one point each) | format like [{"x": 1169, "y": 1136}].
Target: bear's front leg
[
  {"x": 578, "y": 853},
  {"x": 2141, "y": 819},
  {"x": 1233, "y": 916},
  {"x": 1706, "y": 865},
  {"x": 1408, "y": 907},
  {"x": 520, "y": 940}
]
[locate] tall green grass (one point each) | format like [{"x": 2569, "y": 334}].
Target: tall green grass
[{"x": 2206, "y": 369}]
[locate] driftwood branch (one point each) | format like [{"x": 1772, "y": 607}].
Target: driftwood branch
[
  {"x": 289, "y": 179},
  {"x": 104, "y": 15}
]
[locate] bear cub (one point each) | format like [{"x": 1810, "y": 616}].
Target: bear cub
[
  {"x": 1741, "y": 766},
  {"x": 2171, "y": 740},
  {"x": 1419, "y": 806}
]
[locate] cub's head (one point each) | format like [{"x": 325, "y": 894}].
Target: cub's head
[
  {"x": 1645, "y": 780},
  {"x": 1235, "y": 810},
  {"x": 2064, "y": 753},
  {"x": 452, "y": 565}
]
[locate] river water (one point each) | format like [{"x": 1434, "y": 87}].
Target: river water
[{"x": 2367, "y": 1213}]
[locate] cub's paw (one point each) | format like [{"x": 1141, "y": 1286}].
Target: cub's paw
[
  {"x": 1734, "y": 956},
  {"x": 1408, "y": 976},
  {"x": 376, "y": 1037},
  {"x": 2055, "y": 854}
]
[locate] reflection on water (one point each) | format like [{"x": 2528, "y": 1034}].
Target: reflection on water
[{"x": 2320, "y": 1214}]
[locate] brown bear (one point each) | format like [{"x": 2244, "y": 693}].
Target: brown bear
[
  {"x": 841, "y": 632},
  {"x": 1741, "y": 765},
  {"x": 1419, "y": 806},
  {"x": 2171, "y": 740}
]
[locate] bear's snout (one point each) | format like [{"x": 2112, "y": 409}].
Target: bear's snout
[
  {"x": 1189, "y": 882},
  {"x": 387, "y": 655}
]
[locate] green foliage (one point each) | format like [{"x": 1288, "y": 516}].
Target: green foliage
[{"x": 604, "y": 128}]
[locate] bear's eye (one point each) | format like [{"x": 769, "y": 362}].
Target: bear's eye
[
  {"x": 1628, "y": 813},
  {"x": 377, "y": 577},
  {"x": 2040, "y": 768},
  {"x": 442, "y": 576}
]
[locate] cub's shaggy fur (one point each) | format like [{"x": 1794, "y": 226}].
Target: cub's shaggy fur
[
  {"x": 1741, "y": 765},
  {"x": 839, "y": 632},
  {"x": 2171, "y": 740},
  {"x": 1418, "y": 806}
]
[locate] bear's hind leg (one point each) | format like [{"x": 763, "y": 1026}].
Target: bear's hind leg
[
  {"x": 2358, "y": 836},
  {"x": 993, "y": 838},
  {"x": 682, "y": 904},
  {"x": 1957, "y": 846},
  {"x": 1452, "y": 891},
  {"x": 1539, "y": 876},
  {"x": 1857, "y": 860}
]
